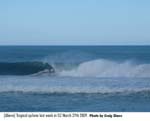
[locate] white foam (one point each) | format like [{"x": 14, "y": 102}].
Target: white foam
[
  {"x": 106, "y": 68},
  {"x": 46, "y": 84}
]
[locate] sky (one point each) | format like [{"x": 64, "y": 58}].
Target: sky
[{"x": 74, "y": 22}]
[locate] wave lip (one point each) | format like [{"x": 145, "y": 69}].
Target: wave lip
[
  {"x": 24, "y": 68},
  {"x": 107, "y": 68}
]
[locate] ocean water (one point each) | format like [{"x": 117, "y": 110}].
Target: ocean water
[{"x": 84, "y": 78}]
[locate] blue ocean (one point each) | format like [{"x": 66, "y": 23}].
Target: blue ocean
[{"x": 75, "y": 78}]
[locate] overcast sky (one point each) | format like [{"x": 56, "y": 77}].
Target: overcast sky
[{"x": 63, "y": 22}]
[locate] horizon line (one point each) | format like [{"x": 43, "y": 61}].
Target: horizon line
[{"x": 75, "y": 45}]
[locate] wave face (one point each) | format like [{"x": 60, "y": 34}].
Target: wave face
[
  {"x": 107, "y": 68},
  {"x": 24, "y": 68}
]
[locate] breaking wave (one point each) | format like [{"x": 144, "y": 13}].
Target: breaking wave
[
  {"x": 93, "y": 68},
  {"x": 96, "y": 76}
]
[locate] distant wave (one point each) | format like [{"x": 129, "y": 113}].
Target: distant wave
[
  {"x": 24, "y": 68},
  {"x": 108, "y": 68}
]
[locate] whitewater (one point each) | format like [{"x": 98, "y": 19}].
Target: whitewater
[{"x": 107, "y": 68}]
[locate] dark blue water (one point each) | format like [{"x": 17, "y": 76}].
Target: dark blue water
[
  {"x": 79, "y": 53},
  {"x": 86, "y": 78}
]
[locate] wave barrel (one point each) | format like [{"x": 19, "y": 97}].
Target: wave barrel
[{"x": 24, "y": 68}]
